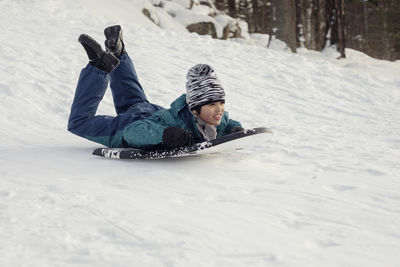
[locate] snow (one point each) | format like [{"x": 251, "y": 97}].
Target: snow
[
  {"x": 323, "y": 191},
  {"x": 176, "y": 15}
]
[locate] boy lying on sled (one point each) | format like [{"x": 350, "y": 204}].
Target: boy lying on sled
[{"x": 194, "y": 117}]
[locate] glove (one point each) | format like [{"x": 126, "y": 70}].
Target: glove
[
  {"x": 174, "y": 137},
  {"x": 236, "y": 129}
]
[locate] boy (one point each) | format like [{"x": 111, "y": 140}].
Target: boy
[{"x": 194, "y": 117}]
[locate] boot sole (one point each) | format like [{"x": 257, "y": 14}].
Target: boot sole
[
  {"x": 112, "y": 31},
  {"x": 90, "y": 42}
]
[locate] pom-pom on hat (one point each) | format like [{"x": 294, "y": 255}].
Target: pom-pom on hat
[{"x": 203, "y": 86}]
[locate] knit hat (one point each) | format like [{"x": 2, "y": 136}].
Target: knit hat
[{"x": 203, "y": 86}]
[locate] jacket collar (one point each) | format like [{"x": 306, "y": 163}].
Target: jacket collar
[
  {"x": 179, "y": 108},
  {"x": 178, "y": 104}
]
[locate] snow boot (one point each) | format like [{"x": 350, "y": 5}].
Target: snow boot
[
  {"x": 114, "y": 42},
  {"x": 97, "y": 56}
]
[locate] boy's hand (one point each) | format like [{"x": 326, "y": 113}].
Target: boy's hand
[
  {"x": 174, "y": 137},
  {"x": 236, "y": 129}
]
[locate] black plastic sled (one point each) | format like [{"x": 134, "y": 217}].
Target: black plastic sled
[{"x": 232, "y": 141}]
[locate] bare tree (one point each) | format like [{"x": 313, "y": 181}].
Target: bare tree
[
  {"x": 284, "y": 22},
  {"x": 373, "y": 27},
  {"x": 311, "y": 23},
  {"x": 341, "y": 27}
]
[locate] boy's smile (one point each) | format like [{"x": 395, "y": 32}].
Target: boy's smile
[{"x": 211, "y": 113}]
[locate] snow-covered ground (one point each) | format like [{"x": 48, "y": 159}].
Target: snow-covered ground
[{"x": 324, "y": 191}]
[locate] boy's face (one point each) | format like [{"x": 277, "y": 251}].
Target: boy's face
[{"x": 212, "y": 113}]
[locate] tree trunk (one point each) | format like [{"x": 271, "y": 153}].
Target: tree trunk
[
  {"x": 383, "y": 10},
  {"x": 285, "y": 22},
  {"x": 341, "y": 27},
  {"x": 311, "y": 23}
]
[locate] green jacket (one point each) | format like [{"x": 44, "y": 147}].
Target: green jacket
[{"x": 149, "y": 131}]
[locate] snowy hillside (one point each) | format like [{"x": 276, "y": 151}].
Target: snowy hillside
[{"x": 324, "y": 191}]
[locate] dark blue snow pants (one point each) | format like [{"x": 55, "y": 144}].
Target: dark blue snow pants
[{"x": 129, "y": 98}]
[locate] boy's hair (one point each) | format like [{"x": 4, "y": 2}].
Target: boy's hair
[
  {"x": 198, "y": 108},
  {"x": 203, "y": 86}
]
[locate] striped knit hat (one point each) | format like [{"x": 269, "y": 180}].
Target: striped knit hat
[{"x": 203, "y": 86}]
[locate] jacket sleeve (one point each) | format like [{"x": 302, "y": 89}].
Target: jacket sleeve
[
  {"x": 147, "y": 132},
  {"x": 143, "y": 133},
  {"x": 228, "y": 125},
  {"x": 231, "y": 124}
]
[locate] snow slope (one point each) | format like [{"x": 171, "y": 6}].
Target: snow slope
[{"x": 324, "y": 191}]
